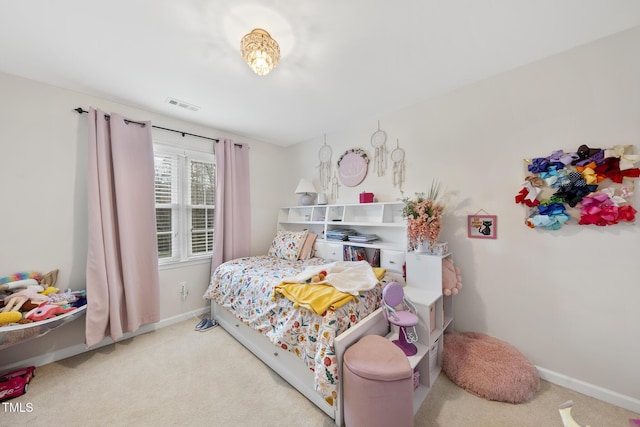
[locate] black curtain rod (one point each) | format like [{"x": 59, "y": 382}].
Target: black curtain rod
[{"x": 79, "y": 110}]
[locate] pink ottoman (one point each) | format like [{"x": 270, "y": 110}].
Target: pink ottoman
[{"x": 377, "y": 383}]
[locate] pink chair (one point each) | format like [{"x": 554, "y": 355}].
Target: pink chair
[{"x": 404, "y": 318}]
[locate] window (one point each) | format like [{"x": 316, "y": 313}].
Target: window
[{"x": 185, "y": 197}]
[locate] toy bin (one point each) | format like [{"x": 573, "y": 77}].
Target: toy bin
[{"x": 377, "y": 384}]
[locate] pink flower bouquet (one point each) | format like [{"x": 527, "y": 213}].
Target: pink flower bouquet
[{"x": 424, "y": 218}]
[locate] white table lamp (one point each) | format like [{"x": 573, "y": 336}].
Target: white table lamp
[{"x": 306, "y": 188}]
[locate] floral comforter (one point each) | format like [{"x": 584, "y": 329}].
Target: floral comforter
[{"x": 245, "y": 287}]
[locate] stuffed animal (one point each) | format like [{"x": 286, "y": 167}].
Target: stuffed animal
[
  {"x": 21, "y": 276},
  {"x": 10, "y": 317},
  {"x": 19, "y": 284},
  {"x": 47, "y": 311},
  {"x": 14, "y": 304},
  {"x": 318, "y": 277},
  {"x": 451, "y": 278},
  {"x": 27, "y": 279},
  {"x": 49, "y": 279},
  {"x": 32, "y": 293}
]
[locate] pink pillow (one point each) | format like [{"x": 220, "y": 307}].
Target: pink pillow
[{"x": 307, "y": 246}]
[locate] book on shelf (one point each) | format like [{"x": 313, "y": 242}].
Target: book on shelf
[
  {"x": 359, "y": 254},
  {"x": 354, "y": 253},
  {"x": 375, "y": 259}
]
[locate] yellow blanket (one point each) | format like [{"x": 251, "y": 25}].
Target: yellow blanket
[{"x": 318, "y": 297}]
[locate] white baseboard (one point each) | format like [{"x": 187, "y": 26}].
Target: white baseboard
[
  {"x": 74, "y": 350},
  {"x": 599, "y": 393}
]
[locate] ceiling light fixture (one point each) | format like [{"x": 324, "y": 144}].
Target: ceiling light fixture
[{"x": 260, "y": 51}]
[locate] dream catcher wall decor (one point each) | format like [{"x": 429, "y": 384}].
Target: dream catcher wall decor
[
  {"x": 378, "y": 142},
  {"x": 325, "y": 165},
  {"x": 397, "y": 157},
  {"x": 335, "y": 187}
]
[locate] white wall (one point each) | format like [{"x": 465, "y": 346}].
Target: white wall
[
  {"x": 43, "y": 222},
  {"x": 567, "y": 299}
]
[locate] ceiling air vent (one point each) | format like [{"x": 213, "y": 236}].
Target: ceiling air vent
[{"x": 182, "y": 104}]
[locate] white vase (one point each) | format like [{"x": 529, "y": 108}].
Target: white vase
[{"x": 423, "y": 247}]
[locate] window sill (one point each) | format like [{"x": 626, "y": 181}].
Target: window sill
[{"x": 186, "y": 263}]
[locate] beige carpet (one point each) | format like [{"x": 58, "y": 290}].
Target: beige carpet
[{"x": 177, "y": 376}]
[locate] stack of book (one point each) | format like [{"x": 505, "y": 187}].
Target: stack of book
[
  {"x": 342, "y": 234},
  {"x": 363, "y": 238}
]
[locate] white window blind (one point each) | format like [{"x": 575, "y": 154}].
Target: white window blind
[
  {"x": 202, "y": 186},
  {"x": 185, "y": 203}
]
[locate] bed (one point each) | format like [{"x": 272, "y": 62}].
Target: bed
[{"x": 304, "y": 347}]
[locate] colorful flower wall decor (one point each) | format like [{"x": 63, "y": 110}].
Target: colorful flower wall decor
[{"x": 591, "y": 186}]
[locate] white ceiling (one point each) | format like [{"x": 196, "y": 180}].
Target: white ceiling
[{"x": 342, "y": 60}]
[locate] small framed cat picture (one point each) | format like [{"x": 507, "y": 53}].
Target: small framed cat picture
[{"x": 482, "y": 226}]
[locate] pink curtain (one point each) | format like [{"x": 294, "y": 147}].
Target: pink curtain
[
  {"x": 232, "y": 226},
  {"x": 122, "y": 259}
]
